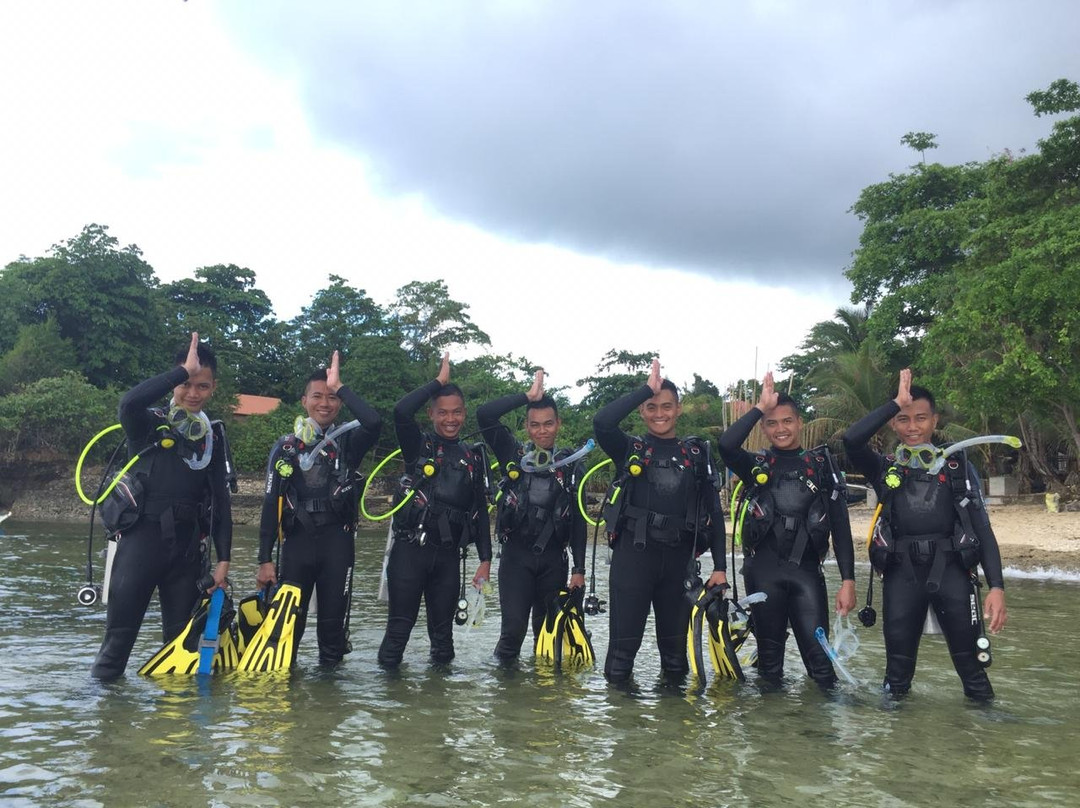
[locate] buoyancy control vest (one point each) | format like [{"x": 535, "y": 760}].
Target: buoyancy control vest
[
  {"x": 326, "y": 492},
  {"x": 163, "y": 487},
  {"x": 791, "y": 504},
  {"x": 926, "y": 518},
  {"x": 662, "y": 493},
  {"x": 536, "y": 507},
  {"x": 448, "y": 484}
]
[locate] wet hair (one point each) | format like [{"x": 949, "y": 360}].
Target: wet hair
[
  {"x": 318, "y": 376},
  {"x": 668, "y": 384},
  {"x": 207, "y": 357},
  {"x": 450, "y": 389},
  {"x": 544, "y": 403},
  {"x": 918, "y": 392},
  {"x": 784, "y": 398}
]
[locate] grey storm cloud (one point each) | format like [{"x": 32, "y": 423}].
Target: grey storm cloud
[{"x": 729, "y": 138}]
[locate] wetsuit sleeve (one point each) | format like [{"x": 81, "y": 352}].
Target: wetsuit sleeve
[
  {"x": 843, "y": 545},
  {"x": 737, "y": 459},
  {"x": 990, "y": 553},
  {"x": 483, "y": 524},
  {"x": 578, "y": 527},
  {"x": 361, "y": 439},
  {"x": 221, "y": 524},
  {"x": 865, "y": 460},
  {"x": 615, "y": 442},
  {"x": 410, "y": 437},
  {"x": 717, "y": 530},
  {"x": 268, "y": 516},
  {"x": 134, "y": 418},
  {"x": 496, "y": 434}
]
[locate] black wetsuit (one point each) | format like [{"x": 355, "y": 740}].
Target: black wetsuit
[
  {"x": 319, "y": 523},
  {"x": 653, "y": 553},
  {"x": 534, "y": 535},
  {"x": 163, "y": 549},
  {"x": 922, "y": 516},
  {"x": 447, "y": 512},
  {"x": 795, "y": 585}
]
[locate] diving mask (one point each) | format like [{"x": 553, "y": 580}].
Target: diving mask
[
  {"x": 190, "y": 425},
  {"x": 917, "y": 457}
]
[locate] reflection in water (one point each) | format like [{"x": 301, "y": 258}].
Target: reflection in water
[{"x": 474, "y": 733}]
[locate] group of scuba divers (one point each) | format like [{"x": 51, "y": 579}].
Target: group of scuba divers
[{"x": 661, "y": 513}]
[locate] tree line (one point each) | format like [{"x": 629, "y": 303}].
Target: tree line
[{"x": 970, "y": 274}]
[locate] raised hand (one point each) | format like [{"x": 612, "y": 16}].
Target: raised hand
[
  {"x": 192, "y": 364},
  {"x": 536, "y": 392},
  {"x": 903, "y": 393},
  {"x": 769, "y": 397},
  {"x": 655, "y": 380},
  {"x": 444, "y": 371},
  {"x": 333, "y": 373}
]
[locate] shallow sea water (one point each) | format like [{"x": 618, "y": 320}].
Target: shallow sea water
[{"x": 474, "y": 734}]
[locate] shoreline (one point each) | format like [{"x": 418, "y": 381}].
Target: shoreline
[{"x": 1030, "y": 537}]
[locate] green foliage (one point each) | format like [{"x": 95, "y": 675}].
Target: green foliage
[
  {"x": 337, "y": 314},
  {"x": 618, "y": 373},
  {"x": 431, "y": 322},
  {"x": 223, "y": 305},
  {"x": 54, "y": 416},
  {"x": 920, "y": 142},
  {"x": 102, "y": 298},
  {"x": 251, "y": 438},
  {"x": 39, "y": 352}
]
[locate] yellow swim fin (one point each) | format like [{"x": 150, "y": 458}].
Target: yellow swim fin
[
  {"x": 181, "y": 655},
  {"x": 273, "y": 646},
  {"x": 577, "y": 650}
]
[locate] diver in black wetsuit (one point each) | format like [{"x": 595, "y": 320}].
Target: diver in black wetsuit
[
  {"x": 318, "y": 507},
  {"x": 666, "y": 513},
  {"x": 538, "y": 517},
  {"x": 786, "y": 534},
  {"x": 185, "y": 494},
  {"x": 446, "y": 512},
  {"x": 933, "y": 531}
]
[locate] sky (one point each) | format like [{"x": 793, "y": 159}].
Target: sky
[{"x": 653, "y": 176}]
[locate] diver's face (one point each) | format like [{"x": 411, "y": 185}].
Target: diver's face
[
  {"x": 783, "y": 427},
  {"x": 661, "y": 413},
  {"x": 915, "y": 423},
  {"x": 196, "y": 391},
  {"x": 320, "y": 404},
  {"x": 542, "y": 426},
  {"x": 447, "y": 415}
]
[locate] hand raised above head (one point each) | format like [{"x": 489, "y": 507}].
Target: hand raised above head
[
  {"x": 769, "y": 397},
  {"x": 444, "y": 369},
  {"x": 536, "y": 392},
  {"x": 655, "y": 380},
  {"x": 903, "y": 392},
  {"x": 333, "y": 373},
  {"x": 191, "y": 363}
]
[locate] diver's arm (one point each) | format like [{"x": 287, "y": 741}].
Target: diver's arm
[
  {"x": 268, "y": 516},
  {"x": 842, "y": 542},
  {"x": 857, "y": 438},
  {"x": 612, "y": 440},
  {"x": 135, "y": 419},
  {"x": 737, "y": 459},
  {"x": 994, "y": 610},
  {"x": 717, "y": 530},
  {"x": 497, "y": 434},
  {"x": 578, "y": 527},
  {"x": 483, "y": 536},
  {"x": 361, "y": 439},
  {"x": 221, "y": 524},
  {"x": 409, "y": 436}
]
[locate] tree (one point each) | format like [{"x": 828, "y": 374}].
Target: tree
[
  {"x": 431, "y": 322},
  {"x": 920, "y": 142},
  {"x": 618, "y": 373},
  {"x": 222, "y": 303},
  {"x": 912, "y": 242},
  {"x": 102, "y": 299},
  {"x": 336, "y": 315},
  {"x": 843, "y": 334},
  {"x": 39, "y": 352}
]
